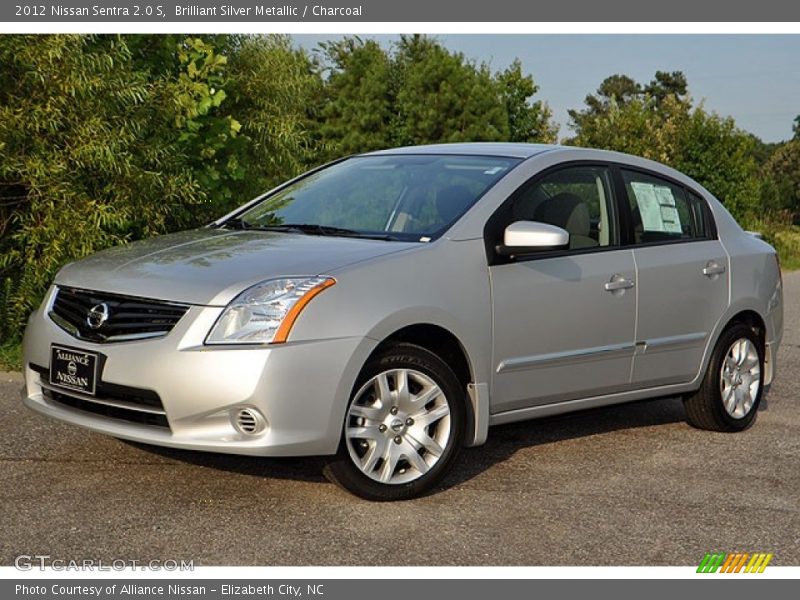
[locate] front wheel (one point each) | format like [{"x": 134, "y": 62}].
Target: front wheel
[
  {"x": 731, "y": 391},
  {"x": 404, "y": 426}
]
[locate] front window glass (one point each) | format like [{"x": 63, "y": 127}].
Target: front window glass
[
  {"x": 405, "y": 197},
  {"x": 577, "y": 199}
]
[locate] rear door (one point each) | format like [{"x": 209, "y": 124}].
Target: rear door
[{"x": 682, "y": 277}]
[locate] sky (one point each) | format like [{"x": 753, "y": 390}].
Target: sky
[{"x": 753, "y": 78}]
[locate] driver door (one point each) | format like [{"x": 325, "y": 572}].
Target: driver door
[{"x": 563, "y": 320}]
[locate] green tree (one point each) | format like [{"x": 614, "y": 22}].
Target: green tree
[
  {"x": 615, "y": 91},
  {"x": 360, "y": 95},
  {"x": 528, "y": 121},
  {"x": 712, "y": 150},
  {"x": 275, "y": 92},
  {"x": 418, "y": 92},
  {"x": 666, "y": 84},
  {"x": 105, "y": 139},
  {"x": 443, "y": 97},
  {"x": 782, "y": 171},
  {"x": 618, "y": 91},
  {"x": 207, "y": 134},
  {"x": 83, "y": 159}
]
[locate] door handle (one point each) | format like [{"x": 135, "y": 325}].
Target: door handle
[
  {"x": 618, "y": 282},
  {"x": 713, "y": 268}
]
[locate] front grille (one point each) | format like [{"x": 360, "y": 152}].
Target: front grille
[
  {"x": 131, "y": 395},
  {"x": 116, "y": 318},
  {"x": 136, "y": 405}
]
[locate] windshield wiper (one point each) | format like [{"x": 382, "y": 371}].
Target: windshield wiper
[
  {"x": 235, "y": 223},
  {"x": 307, "y": 228},
  {"x": 316, "y": 229}
]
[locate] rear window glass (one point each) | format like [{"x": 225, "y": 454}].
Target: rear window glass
[{"x": 663, "y": 211}]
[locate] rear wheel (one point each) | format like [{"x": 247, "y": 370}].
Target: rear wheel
[
  {"x": 404, "y": 426},
  {"x": 731, "y": 391}
]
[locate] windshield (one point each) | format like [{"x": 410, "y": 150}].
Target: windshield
[{"x": 403, "y": 197}]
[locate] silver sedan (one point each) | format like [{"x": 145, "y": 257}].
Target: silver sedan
[{"x": 389, "y": 308}]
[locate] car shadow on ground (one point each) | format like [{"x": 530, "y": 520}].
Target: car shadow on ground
[
  {"x": 504, "y": 441},
  {"x": 304, "y": 468}
]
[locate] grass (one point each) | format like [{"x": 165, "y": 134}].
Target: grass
[
  {"x": 787, "y": 243},
  {"x": 11, "y": 356},
  {"x": 779, "y": 230}
]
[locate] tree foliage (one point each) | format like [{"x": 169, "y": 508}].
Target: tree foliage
[
  {"x": 528, "y": 120},
  {"x": 444, "y": 98},
  {"x": 418, "y": 92},
  {"x": 782, "y": 173},
  {"x": 275, "y": 93},
  {"x": 359, "y": 97},
  {"x": 104, "y": 139},
  {"x": 83, "y": 159}
]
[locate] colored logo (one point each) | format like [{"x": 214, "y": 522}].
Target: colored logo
[{"x": 738, "y": 562}]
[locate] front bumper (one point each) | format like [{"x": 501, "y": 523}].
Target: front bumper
[{"x": 301, "y": 388}]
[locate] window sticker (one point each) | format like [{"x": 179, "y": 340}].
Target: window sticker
[
  {"x": 649, "y": 207},
  {"x": 657, "y": 207},
  {"x": 669, "y": 212}
]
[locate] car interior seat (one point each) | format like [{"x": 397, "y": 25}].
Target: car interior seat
[{"x": 569, "y": 212}]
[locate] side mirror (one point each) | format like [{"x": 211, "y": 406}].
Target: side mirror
[{"x": 524, "y": 237}]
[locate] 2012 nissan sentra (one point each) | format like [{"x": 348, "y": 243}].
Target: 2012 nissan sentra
[{"x": 389, "y": 308}]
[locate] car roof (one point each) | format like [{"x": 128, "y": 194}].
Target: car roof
[
  {"x": 525, "y": 151},
  {"x": 504, "y": 149}
]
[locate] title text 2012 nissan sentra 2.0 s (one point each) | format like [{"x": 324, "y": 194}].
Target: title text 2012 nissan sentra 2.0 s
[{"x": 389, "y": 308}]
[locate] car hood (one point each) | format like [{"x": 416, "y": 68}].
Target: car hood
[{"x": 212, "y": 266}]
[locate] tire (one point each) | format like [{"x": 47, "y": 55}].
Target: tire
[
  {"x": 404, "y": 426},
  {"x": 731, "y": 391}
]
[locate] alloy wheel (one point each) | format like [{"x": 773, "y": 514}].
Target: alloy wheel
[
  {"x": 398, "y": 426},
  {"x": 740, "y": 378}
]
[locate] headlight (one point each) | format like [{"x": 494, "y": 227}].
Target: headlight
[{"x": 265, "y": 313}]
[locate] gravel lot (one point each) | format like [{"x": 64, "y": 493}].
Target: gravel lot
[{"x": 630, "y": 485}]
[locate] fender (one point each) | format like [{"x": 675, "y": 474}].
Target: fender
[
  {"x": 477, "y": 390},
  {"x": 743, "y": 304}
]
